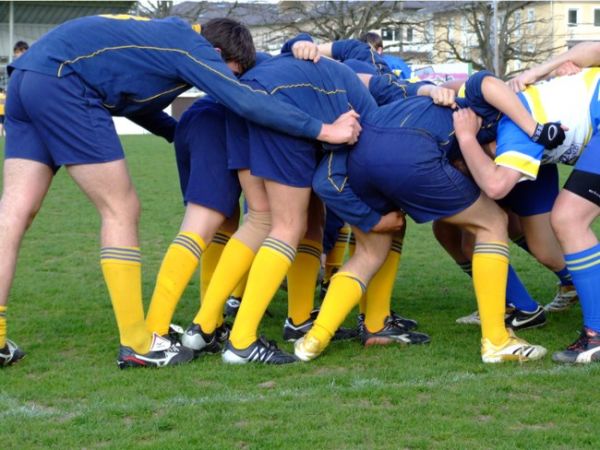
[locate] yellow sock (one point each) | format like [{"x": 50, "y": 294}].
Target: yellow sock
[
  {"x": 2, "y": 326},
  {"x": 178, "y": 266},
  {"x": 335, "y": 257},
  {"x": 122, "y": 270},
  {"x": 270, "y": 266},
  {"x": 210, "y": 258},
  {"x": 379, "y": 292},
  {"x": 234, "y": 263},
  {"x": 238, "y": 292},
  {"x": 302, "y": 280},
  {"x": 343, "y": 294},
  {"x": 490, "y": 272}
]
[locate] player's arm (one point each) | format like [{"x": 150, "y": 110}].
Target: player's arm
[
  {"x": 204, "y": 68},
  {"x": 158, "y": 123},
  {"x": 584, "y": 54},
  {"x": 496, "y": 181}
]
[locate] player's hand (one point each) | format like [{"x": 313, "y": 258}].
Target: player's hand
[
  {"x": 345, "y": 130},
  {"x": 306, "y": 50},
  {"x": 389, "y": 223},
  {"x": 520, "y": 82},
  {"x": 466, "y": 123},
  {"x": 443, "y": 96},
  {"x": 550, "y": 134},
  {"x": 566, "y": 68}
]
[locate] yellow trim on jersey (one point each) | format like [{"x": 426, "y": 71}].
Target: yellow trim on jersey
[
  {"x": 308, "y": 85},
  {"x": 174, "y": 50},
  {"x": 520, "y": 162},
  {"x": 462, "y": 91},
  {"x": 123, "y": 17},
  {"x": 535, "y": 102},
  {"x": 330, "y": 177}
]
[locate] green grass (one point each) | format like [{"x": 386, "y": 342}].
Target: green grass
[{"x": 68, "y": 392}]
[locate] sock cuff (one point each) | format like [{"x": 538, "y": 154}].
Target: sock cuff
[
  {"x": 499, "y": 249},
  {"x": 396, "y": 246},
  {"x": 126, "y": 255},
  {"x": 343, "y": 235},
  {"x": 353, "y": 277},
  {"x": 352, "y": 239},
  {"x": 191, "y": 242},
  {"x": 221, "y": 237},
  {"x": 280, "y": 248},
  {"x": 584, "y": 259},
  {"x": 310, "y": 247},
  {"x": 587, "y": 254},
  {"x": 3, "y": 310}
]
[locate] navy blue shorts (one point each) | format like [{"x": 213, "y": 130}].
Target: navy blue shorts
[
  {"x": 392, "y": 169},
  {"x": 532, "y": 197},
  {"x": 200, "y": 148},
  {"x": 58, "y": 121},
  {"x": 278, "y": 157},
  {"x": 238, "y": 144}
]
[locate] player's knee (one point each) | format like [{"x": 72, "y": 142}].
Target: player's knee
[{"x": 564, "y": 222}]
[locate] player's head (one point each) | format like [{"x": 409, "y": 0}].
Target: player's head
[
  {"x": 374, "y": 40},
  {"x": 233, "y": 40},
  {"x": 20, "y": 48}
]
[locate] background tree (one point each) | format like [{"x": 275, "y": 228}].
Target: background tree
[
  {"x": 520, "y": 37},
  {"x": 155, "y": 9}
]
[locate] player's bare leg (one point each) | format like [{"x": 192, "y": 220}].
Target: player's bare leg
[{"x": 25, "y": 185}]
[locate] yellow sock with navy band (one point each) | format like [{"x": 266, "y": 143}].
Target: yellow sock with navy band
[
  {"x": 2, "y": 326},
  {"x": 343, "y": 294},
  {"x": 178, "y": 266},
  {"x": 490, "y": 273},
  {"x": 379, "y": 292},
  {"x": 335, "y": 257},
  {"x": 122, "y": 270},
  {"x": 302, "y": 279},
  {"x": 210, "y": 258},
  {"x": 268, "y": 270},
  {"x": 233, "y": 265}
]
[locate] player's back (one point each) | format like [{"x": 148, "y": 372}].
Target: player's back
[{"x": 325, "y": 89}]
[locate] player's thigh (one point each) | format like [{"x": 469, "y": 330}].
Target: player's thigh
[
  {"x": 108, "y": 186},
  {"x": 25, "y": 184},
  {"x": 289, "y": 204},
  {"x": 254, "y": 191},
  {"x": 484, "y": 218}
]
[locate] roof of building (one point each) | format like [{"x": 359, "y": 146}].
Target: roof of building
[{"x": 57, "y": 12}]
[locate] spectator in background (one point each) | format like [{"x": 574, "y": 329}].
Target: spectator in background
[{"x": 20, "y": 48}]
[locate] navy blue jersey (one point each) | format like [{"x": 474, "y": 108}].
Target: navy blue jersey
[
  {"x": 139, "y": 66},
  {"x": 389, "y": 88},
  {"x": 326, "y": 89},
  {"x": 355, "y": 49}
]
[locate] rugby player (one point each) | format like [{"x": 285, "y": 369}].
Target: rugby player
[
  {"x": 572, "y": 100},
  {"x": 61, "y": 96}
]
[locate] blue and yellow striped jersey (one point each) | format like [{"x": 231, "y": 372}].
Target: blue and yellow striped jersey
[{"x": 574, "y": 101}]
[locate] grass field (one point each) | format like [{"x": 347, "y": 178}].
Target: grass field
[{"x": 68, "y": 392}]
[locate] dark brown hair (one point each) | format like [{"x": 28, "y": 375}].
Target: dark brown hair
[{"x": 233, "y": 39}]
